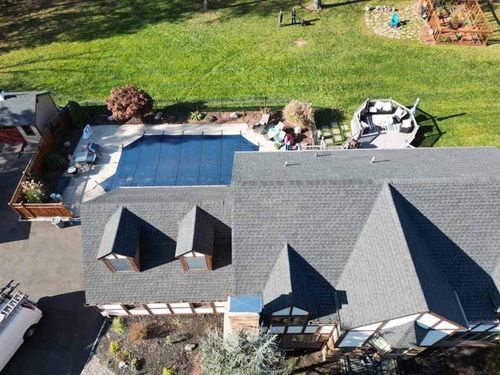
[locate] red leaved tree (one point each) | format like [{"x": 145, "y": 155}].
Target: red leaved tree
[{"x": 128, "y": 101}]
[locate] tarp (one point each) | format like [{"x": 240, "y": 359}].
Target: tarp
[{"x": 168, "y": 160}]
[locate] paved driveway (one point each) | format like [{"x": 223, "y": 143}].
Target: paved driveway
[{"x": 47, "y": 263}]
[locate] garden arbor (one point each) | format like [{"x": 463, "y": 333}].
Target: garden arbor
[{"x": 457, "y": 22}]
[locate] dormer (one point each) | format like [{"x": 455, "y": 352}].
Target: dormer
[
  {"x": 195, "y": 240},
  {"x": 119, "y": 249}
]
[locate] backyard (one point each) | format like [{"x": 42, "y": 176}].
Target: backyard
[{"x": 177, "y": 52}]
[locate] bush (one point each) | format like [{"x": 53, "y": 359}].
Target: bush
[
  {"x": 137, "y": 332},
  {"x": 124, "y": 356},
  {"x": 167, "y": 371},
  {"x": 114, "y": 347},
  {"x": 33, "y": 192},
  {"x": 299, "y": 113},
  {"x": 76, "y": 114},
  {"x": 54, "y": 162},
  {"x": 128, "y": 102},
  {"x": 197, "y": 115},
  {"x": 210, "y": 118},
  {"x": 118, "y": 325},
  {"x": 241, "y": 353}
]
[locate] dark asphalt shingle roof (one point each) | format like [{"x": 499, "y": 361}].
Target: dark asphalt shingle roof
[
  {"x": 162, "y": 278},
  {"x": 18, "y": 108},
  {"x": 287, "y": 284},
  {"x": 196, "y": 233},
  {"x": 121, "y": 234},
  {"x": 445, "y": 206},
  {"x": 406, "y": 234}
]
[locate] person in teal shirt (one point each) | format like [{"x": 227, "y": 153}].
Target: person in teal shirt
[{"x": 394, "y": 22}]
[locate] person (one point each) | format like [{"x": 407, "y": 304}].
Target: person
[
  {"x": 280, "y": 18},
  {"x": 288, "y": 141},
  {"x": 394, "y": 22},
  {"x": 294, "y": 16}
]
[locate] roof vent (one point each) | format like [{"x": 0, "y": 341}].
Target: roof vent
[
  {"x": 2, "y": 96},
  {"x": 286, "y": 163},
  {"x": 373, "y": 160}
]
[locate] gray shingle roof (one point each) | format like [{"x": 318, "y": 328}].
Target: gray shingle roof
[
  {"x": 322, "y": 205},
  {"x": 18, "y": 108},
  {"x": 408, "y": 233},
  {"x": 196, "y": 233},
  {"x": 287, "y": 284},
  {"x": 414, "y": 164},
  {"x": 162, "y": 278},
  {"x": 121, "y": 234}
]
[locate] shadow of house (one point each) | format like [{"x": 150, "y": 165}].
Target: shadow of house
[
  {"x": 63, "y": 340},
  {"x": 294, "y": 282},
  {"x": 476, "y": 290}
]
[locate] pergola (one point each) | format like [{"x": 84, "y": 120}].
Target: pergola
[{"x": 461, "y": 22}]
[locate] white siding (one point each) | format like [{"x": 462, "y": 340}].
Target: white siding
[
  {"x": 355, "y": 338},
  {"x": 204, "y": 310},
  {"x": 400, "y": 321},
  {"x": 282, "y": 312},
  {"x": 138, "y": 312},
  {"x": 294, "y": 329},
  {"x": 297, "y": 311},
  {"x": 277, "y": 329},
  {"x": 160, "y": 311},
  {"x": 157, "y": 305},
  {"x": 326, "y": 329},
  {"x": 445, "y": 325},
  {"x": 371, "y": 327},
  {"x": 482, "y": 327},
  {"x": 427, "y": 320},
  {"x": 311, "y": 329}
]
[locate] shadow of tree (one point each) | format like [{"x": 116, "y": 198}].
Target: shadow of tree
[{"x": 25, "y": 24}]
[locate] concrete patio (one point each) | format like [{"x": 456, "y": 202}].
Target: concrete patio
[{"x": 87, "y": 185}]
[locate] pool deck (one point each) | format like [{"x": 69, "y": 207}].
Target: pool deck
[{"x": 87, "y": 185}]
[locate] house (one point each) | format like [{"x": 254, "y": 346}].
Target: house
[
  {"x": 25, "y": 115},
  {"x": 397, "y": 250}
]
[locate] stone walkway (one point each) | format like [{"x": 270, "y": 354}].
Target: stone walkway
[{"x": 378, "y": 22}]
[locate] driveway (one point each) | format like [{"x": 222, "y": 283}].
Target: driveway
[{"x": 47, "y": 263}]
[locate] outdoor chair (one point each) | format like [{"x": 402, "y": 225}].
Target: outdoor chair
[{"x": 264, "y": 120}]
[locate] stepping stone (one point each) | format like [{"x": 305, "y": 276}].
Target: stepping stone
[
  {"x": 347, "y": 134},
  {"x": 338, "y": 138},
  {"x": 344, "y": 127},
  {"x": 336, "y": 131}
]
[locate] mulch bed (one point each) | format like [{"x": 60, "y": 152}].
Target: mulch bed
[{"x": 163, "y": 344}]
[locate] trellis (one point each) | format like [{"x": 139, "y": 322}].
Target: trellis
[{"x": 477, "y": 31}]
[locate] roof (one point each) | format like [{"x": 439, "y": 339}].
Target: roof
[
  {"x": 442, "y": 219},
  {"x": 415, "y": 231},
  {"x": 351, "y": 166},
  {"x": 121, "y": 234},
  {"x": 196, "y": 233},
  {"x": 287, "y": 284},
  {"x": 18, "y": 108},
  {"x": 162, "y": 278}
]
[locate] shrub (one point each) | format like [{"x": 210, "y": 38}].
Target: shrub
[
  {"x": 118, "y": 325},
  {"x": 54, "y": 162},
  {"x": 197, "y": 115},
  {"x": 176, "y": 322},
  {"x": 299, "y": 113},
  {"x": 124, "y": 356},
  {"x": 76, "y": 115},
  {"x": 128, "y": 102},
  {"x": 33, "y": 192},
  {"x": 114, "y": 347},
  {"x": 137, "y": 332},
  {"x": 168, "y": 371},
  {"x": 210, "y": 118},
  {"x": 241, "y": 353}
]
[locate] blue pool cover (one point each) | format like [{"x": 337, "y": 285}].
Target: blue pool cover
[{"x": 168, "y": 160}]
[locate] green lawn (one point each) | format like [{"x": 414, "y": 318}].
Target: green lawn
[{"x": 80, "y": 49}]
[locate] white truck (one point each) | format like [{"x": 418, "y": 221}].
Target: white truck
[{"x": 18, "y": 319}]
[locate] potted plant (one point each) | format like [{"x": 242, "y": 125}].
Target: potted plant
[{"x": 456, "y": 20}]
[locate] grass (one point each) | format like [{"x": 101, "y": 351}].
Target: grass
[{"x": 79, "y": 50}]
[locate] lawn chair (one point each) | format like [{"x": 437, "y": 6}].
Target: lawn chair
[{"x": 264, "y": 120}]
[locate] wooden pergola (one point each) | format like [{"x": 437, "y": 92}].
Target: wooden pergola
[{"x": 475, "y": 29}]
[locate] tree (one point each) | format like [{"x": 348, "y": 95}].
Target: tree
[
  {"x": 128, "y": 101},
  {"x": 299, "y": 113},
  {"x": 241, "y": 353}
]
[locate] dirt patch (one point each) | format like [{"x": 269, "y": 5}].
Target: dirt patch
[
  {"x": 155, "y": 343},
  {"x": 300, "y": 42}
]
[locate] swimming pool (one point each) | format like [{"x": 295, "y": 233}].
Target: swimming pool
[{"x": 179, "y": 160}]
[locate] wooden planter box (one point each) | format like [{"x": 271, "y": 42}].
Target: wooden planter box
[{"x": 40, "y": 210}]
